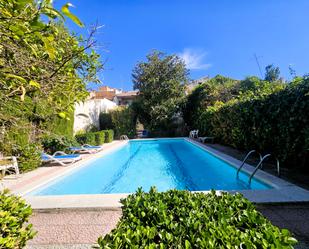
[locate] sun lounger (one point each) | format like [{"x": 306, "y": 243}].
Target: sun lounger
[
  {"x": 11, "y": 164},
  {"x": 94, "y": 147},
  {"x": 82, "y": 149},
  {"x": 61, "y": 158}
]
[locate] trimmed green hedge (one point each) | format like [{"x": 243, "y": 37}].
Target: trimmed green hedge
[
  {"x": 62, "y": 126},
  {"x": 121, "y": 120},
  {"x": 181, "y": 219},
  {"x": 109, "y": 136},
  {"x": 14, "y": 216},
  {"x": 277, "y": 123},
  {"x": 99, "y": 137},
  {"x": 86, "y": 138},
  {"x": 95, "y": 138}
]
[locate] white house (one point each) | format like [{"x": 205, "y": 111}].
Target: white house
[{"x": 87, "y": 113}]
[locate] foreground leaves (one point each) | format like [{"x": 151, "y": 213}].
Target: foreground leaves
[
  {"x": 14, "y": 213},
  {"x": 181, "y": 219}
]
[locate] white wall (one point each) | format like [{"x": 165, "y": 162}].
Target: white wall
[{"x": 87, "y": 113}]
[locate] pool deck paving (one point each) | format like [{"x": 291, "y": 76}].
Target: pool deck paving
[{"x": 71, "y": 228}]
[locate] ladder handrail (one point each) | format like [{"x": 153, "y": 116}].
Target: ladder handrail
[
  {"x": 245, "y": 159},
  {"x": 260, "y": 163}
]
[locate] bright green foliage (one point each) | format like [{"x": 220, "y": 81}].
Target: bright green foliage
[
  {"x": 86, "y": 138},
  {"x": 95, "y": 138},
  {"x": 268, "y": 116},
  {"x": 160, "y": 81},
  {"x": 62, "y": 126},
  {"x": 53, "y": 143},
  {"x": 14, "y": 214},
  {"x": 44, "y": 70},
  {"x": 217, "y": 89},
  {"x": 17, "y": 141},
  {"x": 182, "y": 219},
  {"x": 109, "y": 136},
  {"x": 122, "y": 120},
  {"x": 99, "y": 137}
]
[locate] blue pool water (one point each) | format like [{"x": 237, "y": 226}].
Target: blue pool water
[{"x": 164, "y": 163}]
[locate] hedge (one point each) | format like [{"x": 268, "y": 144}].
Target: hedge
[
  {"x": 121, "y": 120},
  {"x": 277, "y": 123},
  {"x": 62, "y": 126},
  {"x": 15, "y": 230},
  {"x": 18, "y": 141},
  {"x": 95, "y": 138},
  {"x": 182, "y": 219},
  {"x": 86, "y": 138},
  {"x": 99, "y": 137},
  {"x": 109, "y": 136}
]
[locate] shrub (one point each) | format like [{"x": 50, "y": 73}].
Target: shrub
[
  {"x": 109, "y": 136},
  {"x": 124, "y": 121},
  {"x": 53, "y": 143},
  {"x": 266, "y": 116},
  {"x": 181, "y": 219},
  {"x": 18, "y": 142},
  {"x": 99, "y": 137},
  {"x": 29, "y": 156},
  {"x": 62, "y": 126},
  {"x": 14, "y": 213},
  {"x": 105, "y": 120},
  {"x": 86, "y": 138}
]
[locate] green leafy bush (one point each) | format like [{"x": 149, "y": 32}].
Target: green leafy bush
[
  {"x": 62, "y": 126},
  {"x": 18, "y": 142},
  {"x": 14, "y": 214},
  {"x": 123, "y": 121},
  {"x": 28, "y": 156},
  {"x": 99, "y": 137},
  {"x": 53, "y": 143},
  {"x": 86, "y": 138},
  {"x": 181, "y": 219},
  {"x": 109, "y": 136},
  {"x": 270, "y": 117}
]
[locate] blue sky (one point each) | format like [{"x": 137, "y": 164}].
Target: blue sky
[{"x": 213, "y": 36}]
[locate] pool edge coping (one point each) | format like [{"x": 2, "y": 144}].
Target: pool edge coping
[{"x": 283, "y": 191}]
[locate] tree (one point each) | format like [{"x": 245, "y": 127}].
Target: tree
[
  {"x": 44, "y": 69},
  {"x": 217, "y": 89},
  {"x": 160, "y": 81},
  {"x": 272, "y": 73}
]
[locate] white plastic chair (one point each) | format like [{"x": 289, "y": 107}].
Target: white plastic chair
[{"x": 8, "y": 167}]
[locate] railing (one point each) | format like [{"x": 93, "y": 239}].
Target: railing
[
  {"x": 245, "y": 159},
  {"x": 259, "y": 165},
  {"x": 124, "y": 137}
]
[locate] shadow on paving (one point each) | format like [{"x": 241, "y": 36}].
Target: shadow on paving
[{"x": 294, "y": 217}]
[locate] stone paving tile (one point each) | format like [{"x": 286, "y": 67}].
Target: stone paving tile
[
  {"x": 72, "y": 227},
  {"x": 67, "y": 246},
  {"x": 270, "y": 214}
]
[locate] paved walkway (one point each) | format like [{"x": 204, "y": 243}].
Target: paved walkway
[
  {"x": 294, "y": 217},
  {"x": 71, "y": 228}
]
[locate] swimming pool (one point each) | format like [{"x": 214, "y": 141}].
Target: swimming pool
[{"x": 164, "y": 163}]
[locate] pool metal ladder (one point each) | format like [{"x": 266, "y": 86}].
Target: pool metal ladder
[{"x": 259, "y": 165}]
